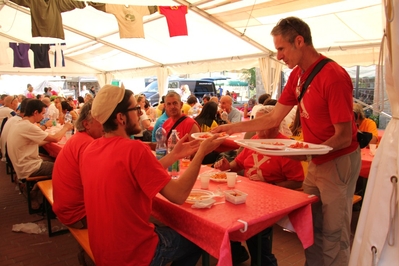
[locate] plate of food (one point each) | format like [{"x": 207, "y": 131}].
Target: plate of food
[
  {"x": 218, "y": 177},
  {"x": 199, "y": 195},
  {"x": 281, "y": 147},
  {"x": 206, "y": 135}
]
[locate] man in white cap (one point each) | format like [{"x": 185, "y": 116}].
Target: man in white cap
[{"x": 119, "y": 187}]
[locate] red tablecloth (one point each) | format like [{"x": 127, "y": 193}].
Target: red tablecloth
[
  {"x": 53, "y": 148},
  {"x": 212, "y": 229},
  {"x": 367, "y": 158}
]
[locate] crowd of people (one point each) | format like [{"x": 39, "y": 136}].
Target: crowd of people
[{"x": 101, "y": 172}]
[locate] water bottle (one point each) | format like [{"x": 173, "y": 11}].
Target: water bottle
[
  {"x": 160, "y": 149},
  {"x": 174, "y": 169},
  {"x": 68, "y": 119},
  {"x": 224, "y": 116}
]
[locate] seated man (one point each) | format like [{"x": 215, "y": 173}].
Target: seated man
[
  {"x": 277, "y": 170},
  {"x": 186, "y": 125},
  {"x": 365, "y": 124},
  {"x": 119, "y": 187},
  {"x": 233, "y": 114},
  {"x": 24, "y": 139},
  {"x": 67, "y": 183},
  {"x": 9, "y": 109},
  {"x": 8, "y": 125}
]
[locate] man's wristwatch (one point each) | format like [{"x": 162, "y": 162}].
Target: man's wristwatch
[{"x": 308, "y": 158}]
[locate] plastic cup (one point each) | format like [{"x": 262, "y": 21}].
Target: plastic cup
[
  {"x": 185, "y": 162},
  {"x": 68, "y": 135},
  {"x": 231, "y": 179},
  {"x": 373, "y": 148},
  {"x": 205, "y": 181}
]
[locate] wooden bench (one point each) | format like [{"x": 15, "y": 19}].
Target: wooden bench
[
  {"x": 81, "y": 235},
  {"x": 46, "y": 187}
]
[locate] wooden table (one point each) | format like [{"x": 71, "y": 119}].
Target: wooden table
[{"x": 212, "y": 229}]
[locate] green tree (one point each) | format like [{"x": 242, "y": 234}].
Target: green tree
[{"x": 249, "y": 75}]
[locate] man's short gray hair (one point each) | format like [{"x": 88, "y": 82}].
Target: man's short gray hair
[{"x": 85, "y": 115}]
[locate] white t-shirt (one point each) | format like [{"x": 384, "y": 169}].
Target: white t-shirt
[
  {"x": 10, "y": 122},
  {"x": 23, "y": 147},
  {"x": 51, "y": 110},
  {"x": 143, "y": 117},
  {"x": 6, "y": 112}
]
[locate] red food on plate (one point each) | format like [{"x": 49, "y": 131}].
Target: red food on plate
[
  {"x": 299, "y": 145},
  {"x": 204, "y": 136}
]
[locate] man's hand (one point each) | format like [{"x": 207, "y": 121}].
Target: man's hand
[
  {"x": 209, "y": 145},
  {"x": 68, "y": 126},
  {"x": 222, "y": 164},
  {"x": 223, "y": 128},
  {"x": 183, "y": 148}
]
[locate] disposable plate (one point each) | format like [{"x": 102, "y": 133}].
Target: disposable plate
[{"x": 281, "y": 147}]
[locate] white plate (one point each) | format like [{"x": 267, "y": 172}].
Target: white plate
[
  {"x": 198, "y": 195},
  {"x": 200, "y": 135},
  {"x": 265, "y": 146}
]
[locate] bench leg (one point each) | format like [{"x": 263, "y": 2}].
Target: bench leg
[{"x": 49, "y": 212}]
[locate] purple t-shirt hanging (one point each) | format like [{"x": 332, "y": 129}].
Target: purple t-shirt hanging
[
  {"x": 40, "y": 52},
  {"x": 21, "y": 56}
]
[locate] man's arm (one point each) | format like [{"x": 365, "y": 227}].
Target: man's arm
[
  {"x": 194, "y": 129},
  {"x": 342, "y": 137},
  {"x": 177, "y": 190},
  {"x": 58, "y": 136},
  {"x": 270, "y": 120}
]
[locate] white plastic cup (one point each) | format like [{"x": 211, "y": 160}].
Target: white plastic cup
[
  {"x": 231, "y": 179},
  {"x": 373, "y": 148},
  {"x": 205, "y": 181},
  {"x": 68, "y": 134}
]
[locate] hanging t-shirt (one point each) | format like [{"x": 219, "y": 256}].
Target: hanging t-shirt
[
  {"x": 40, "y": 55},
  {"x": 21, "y": 55},
  {"x": 176, "y": 19},
  {"x": 4, "y": 58},
  {"x": 130, "y": 18},
  {"x": 46, "y": 15},
  {"x": 59, "y": 60}
]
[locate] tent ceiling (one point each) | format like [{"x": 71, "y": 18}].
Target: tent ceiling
[{"x": 349, "y": 31}]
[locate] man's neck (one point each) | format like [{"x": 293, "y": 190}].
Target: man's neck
[
  {"x": 29, "y": 118},
  {"x": 309, "y": 57}
]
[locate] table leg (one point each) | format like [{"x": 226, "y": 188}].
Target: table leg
[{"x": 205, "y": 259}]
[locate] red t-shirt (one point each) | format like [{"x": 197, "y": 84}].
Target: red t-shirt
[
  {"x": 120, "y": 179},
  {"x": 67, "y": 184},
  {"x": 273, "y": 169},
  {"x": 183, "y": 128},
  {"x": 176, "y": 19},
  {"x": 327, "y": 101}
]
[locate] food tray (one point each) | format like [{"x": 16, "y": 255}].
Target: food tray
[
  {"x": 235, "y": 196},
  {"x": 281, "y": 147},
  {"x": 198, "y": 195}
]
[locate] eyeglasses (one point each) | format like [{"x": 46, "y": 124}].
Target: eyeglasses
[
  {"x": 284, "y": 22},
  {"x": 137, "y": 108},
  {"x": 15, "y": 97}
]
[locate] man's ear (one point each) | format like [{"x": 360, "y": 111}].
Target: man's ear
[
  {"x": 121, "y": 118},
  {"x": 299, "y": 41}
]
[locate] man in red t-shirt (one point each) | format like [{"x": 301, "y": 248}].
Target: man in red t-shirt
[
  {"x": 327, "y": 118},
  {"x": 120, "y": 179},
  {"x": 67, "y": 183},
  {"x": 173, "y": 105}
]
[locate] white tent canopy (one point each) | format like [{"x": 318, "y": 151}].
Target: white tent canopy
[{"x": 222, "y": 35}]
